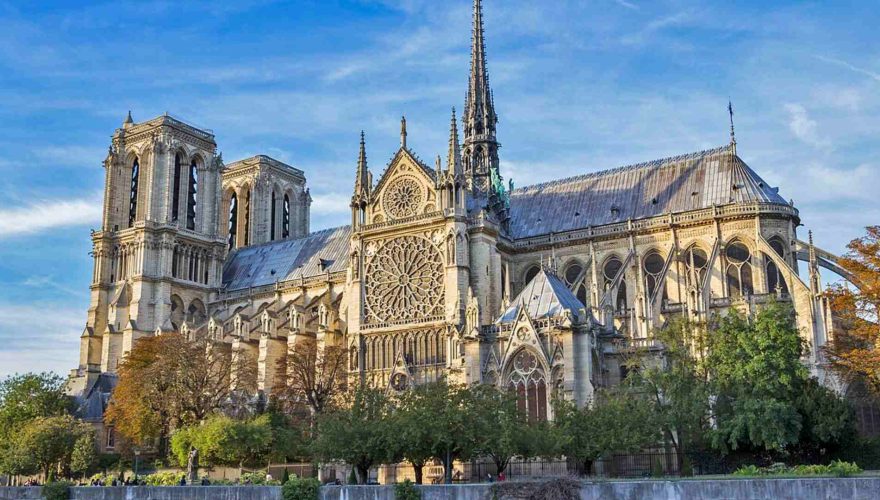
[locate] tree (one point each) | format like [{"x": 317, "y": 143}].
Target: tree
[
  {"x": 755, "y": 372},
  {"x": 615, "y": 422},
  {"x": 26, "y": 397},
  {"x": 315, "y": 377},
  {"x": 828, "y": 421},
  {"x": 84, "y": 455},
  {"x": 677, "y": 384},
  {"x": 166, "y": 382},
  {"x": 222, "y": 440},
  {"x": 854, "y": 351},
  {"x": 452, "y": 429},
  {"x": 412, "y": 435},
  {"x": 357, "y": 432},
  {"x": 502, "y": 430},
  {"x": 46, "y": 444}
]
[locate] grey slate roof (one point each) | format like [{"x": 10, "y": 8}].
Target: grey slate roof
[
  {"x": 676, "y": 184},
  {"x": 304, "y": 257},
  {"x": 546, "y": 296},
  {"x": 92, "y": 404}
]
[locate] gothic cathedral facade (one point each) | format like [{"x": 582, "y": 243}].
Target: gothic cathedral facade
[{"x": 445, "y": 270}]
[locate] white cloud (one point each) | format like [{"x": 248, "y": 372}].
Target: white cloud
[
  {"x": 39, "y": 338},
  {"x": 330, "y": 203},
  {"x": 49, "y": 214},
  {"x": 628, "y": 5},
  {"x": 803, "y": 127},
  {"x": 871, "y": 74}
]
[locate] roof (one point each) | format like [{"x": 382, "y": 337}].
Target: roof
[
  {"x": 311, "y": 255},
  {"x": 92, "y": 404},
  {"x": 677, "y": 184},
  {"x": 546, "y": 296}
]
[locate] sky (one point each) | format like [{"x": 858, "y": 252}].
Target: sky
[{"x": 579, "y": 86}]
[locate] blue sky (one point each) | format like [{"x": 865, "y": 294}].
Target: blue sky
[{"x": 579, "y": 86}]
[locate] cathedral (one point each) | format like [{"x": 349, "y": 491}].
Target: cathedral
[{"x": 445, "y": 270}]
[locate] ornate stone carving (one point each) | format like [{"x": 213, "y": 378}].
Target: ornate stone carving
[
  {"x": 404, "y": 281},
  {"x": 403, "y": 198}
]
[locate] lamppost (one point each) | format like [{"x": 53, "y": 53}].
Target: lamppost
[{"x": 137, "y": 453}]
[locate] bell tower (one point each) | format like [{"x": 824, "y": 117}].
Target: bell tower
[{"x": 158, "y": 255}]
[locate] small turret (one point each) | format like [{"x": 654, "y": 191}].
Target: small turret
[
  {"x": 128, "y": 121},
  {"x": 403, "y": 132},
  {"x": 453, "y": 160}
]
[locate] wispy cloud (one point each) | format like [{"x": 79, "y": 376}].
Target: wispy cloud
[
  {"x": 51, "y": 340},
  {"x": 840, "y": 62},
  {"x": 628, "y": 5},
  {"x": 803, "y": 127},
  {"x": 48, "y": 214}
]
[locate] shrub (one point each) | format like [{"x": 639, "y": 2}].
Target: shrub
[
  {"x": 57, "y": 490},
  {"x": 748, "y": 470},
  {"x": 164, "y": 478},
  {"x": 285, "y": 477},
  {"x": 840, "y": 468},
  {"x": 301, "y": 489},
  {"x": 406, "y": 491},
  {"x": 258, "y": 478}
]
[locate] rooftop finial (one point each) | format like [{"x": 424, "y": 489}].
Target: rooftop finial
[
  {"x": 403, "y": 132},
  {"x": 128, "y": 120},
  {"x": 362, "y": 178},
  {"x": 453, "y": 160},
  {"x": 732, "y": 134}
]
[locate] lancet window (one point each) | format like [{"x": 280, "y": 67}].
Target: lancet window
[
  {"x": 192, "y": 196},
  {"x": 739, "y": 270},
  {"x": 133, "y": 192},
  {"x": 233, "y": 221},
  {"x": 575, "y": 277},
  {"x": 653, "y": 268},
  {"x": 175, "y": 192},
  {"x": 775, "y": 280},
  {"x": 612, "y": 268},
  {"x": 696, "y": 263},
  {"x": 528, "y": 382},
  {"x": 285, "y": 218}
]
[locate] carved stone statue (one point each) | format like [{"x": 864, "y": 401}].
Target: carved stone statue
[{"x": 192, "y": 466}]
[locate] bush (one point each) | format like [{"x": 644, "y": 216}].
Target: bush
[
  {"x": 406, "y": 491},
  {"x": 164, "y": 478},
  {"x": 58, "y": 490},
  {"x": 258, "y": 478},
  {"x": 840, "y": 468},
  {"x": 748, "y": 470},
  {"x": 103, "y": 478},
  {"x": 300, "y": 489}
]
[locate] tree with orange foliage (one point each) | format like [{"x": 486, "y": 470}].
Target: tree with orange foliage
[
  {"x": 166, "y": 382},
  {"x": 855, "y": 349}
]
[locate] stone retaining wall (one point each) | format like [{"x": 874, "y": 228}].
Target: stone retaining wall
[{"x": 863, "y": 488}]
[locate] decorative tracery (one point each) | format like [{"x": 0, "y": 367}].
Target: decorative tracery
[
  {"x": 403, "y": 198},
  {"x": 527, "y": 380},
  {"x": 404, "y": 282}
]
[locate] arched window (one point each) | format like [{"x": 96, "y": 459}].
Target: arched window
[
  {"x": 530, "y": 274},
  {"x": 653, "y": 267},
  {"x": 233, "y": 220},
  {"x": 285, "y": 218},
  {"x": 739, "y": 270},
  {"x": 195, "y": 313},
  {"x": 574, "y": 277},
  {"x": 775, "y": 280},
  {"x": 696, "y": 262},
  {"x": 133, "y": 192},
  {"x": 272, "y": 220},
  {"x": 175, "y": 193},
  {"x": 177, "y": 312},
  {"x": 247, "y": 217},
  {"x": 192, "y": 196},
  {"x": 526, "y": 379},
  {"x": 175, "y": 255},
  {"x": 612, "y": 268}
]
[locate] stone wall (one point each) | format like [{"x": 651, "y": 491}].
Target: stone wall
[{"x": 802, "y": 489}]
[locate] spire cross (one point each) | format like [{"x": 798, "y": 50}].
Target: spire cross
[
  {"x": 732, "y": 133},
  {"x": 403, "y": 132}
]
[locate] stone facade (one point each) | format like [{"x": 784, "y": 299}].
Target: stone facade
[{"x": 444, "y": 271}]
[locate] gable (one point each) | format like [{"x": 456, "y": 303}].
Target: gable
[{"x": 406, "y": 189}]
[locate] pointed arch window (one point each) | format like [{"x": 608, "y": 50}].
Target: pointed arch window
[
  {"x": 192, "y": 196},
  {"x": 696, "y": 262},
  {"x": 247, "y": 217},
  {"x": 775, "y": 280},
  {"x": 653, "y": 267},
  {"x": 272, "y": 220},
  {"x": 133, "y": 192},
  {"x": 574, "y": 277},
  {"x": 739, "y": 270},
  {"x": 175, "y": 192},
  {"x": 285, "y": 218},
  {"x": 233, "y": 221},
  {"x": 527, "y": 380},
  {"x": 612, "y": 268},
  {"x": 530, "y": 274}
]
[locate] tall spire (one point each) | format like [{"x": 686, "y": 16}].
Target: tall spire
[
  {"x": 453, "y": 160},
  {"x": 732, "y": 134},
  {"x": 479, "y": 108},
  {"x": 403, "y": 132},
  {"x": 362, "y": 178}
]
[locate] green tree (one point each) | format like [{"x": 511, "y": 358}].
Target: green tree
[
  {"x": 828, "y": 421},
  {"x": 47, "y": 444},
  {"x": 453, "y": 428},
  {"x": 502, "y": 430},
  {"x": 357, "y": 432},
  {"x": 222, "y": 440},
  {"x": 412, "y": 436},
  {"x": 677, "y": 384},
  {"x": 26, "y": 397},
  {"x": 755, "y": 372},
  {"x": 614, "y": 422},
  {"x": 84, "y": 455}
]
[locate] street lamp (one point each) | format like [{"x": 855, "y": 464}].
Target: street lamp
[{"x": 137, "y": 453}]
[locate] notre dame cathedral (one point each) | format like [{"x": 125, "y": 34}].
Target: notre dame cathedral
[{"x": 445, "y": 269}]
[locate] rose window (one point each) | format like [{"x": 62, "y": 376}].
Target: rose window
[
  {"x": 403, "y": 198},
  {"x": 404, "y": 282}
]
